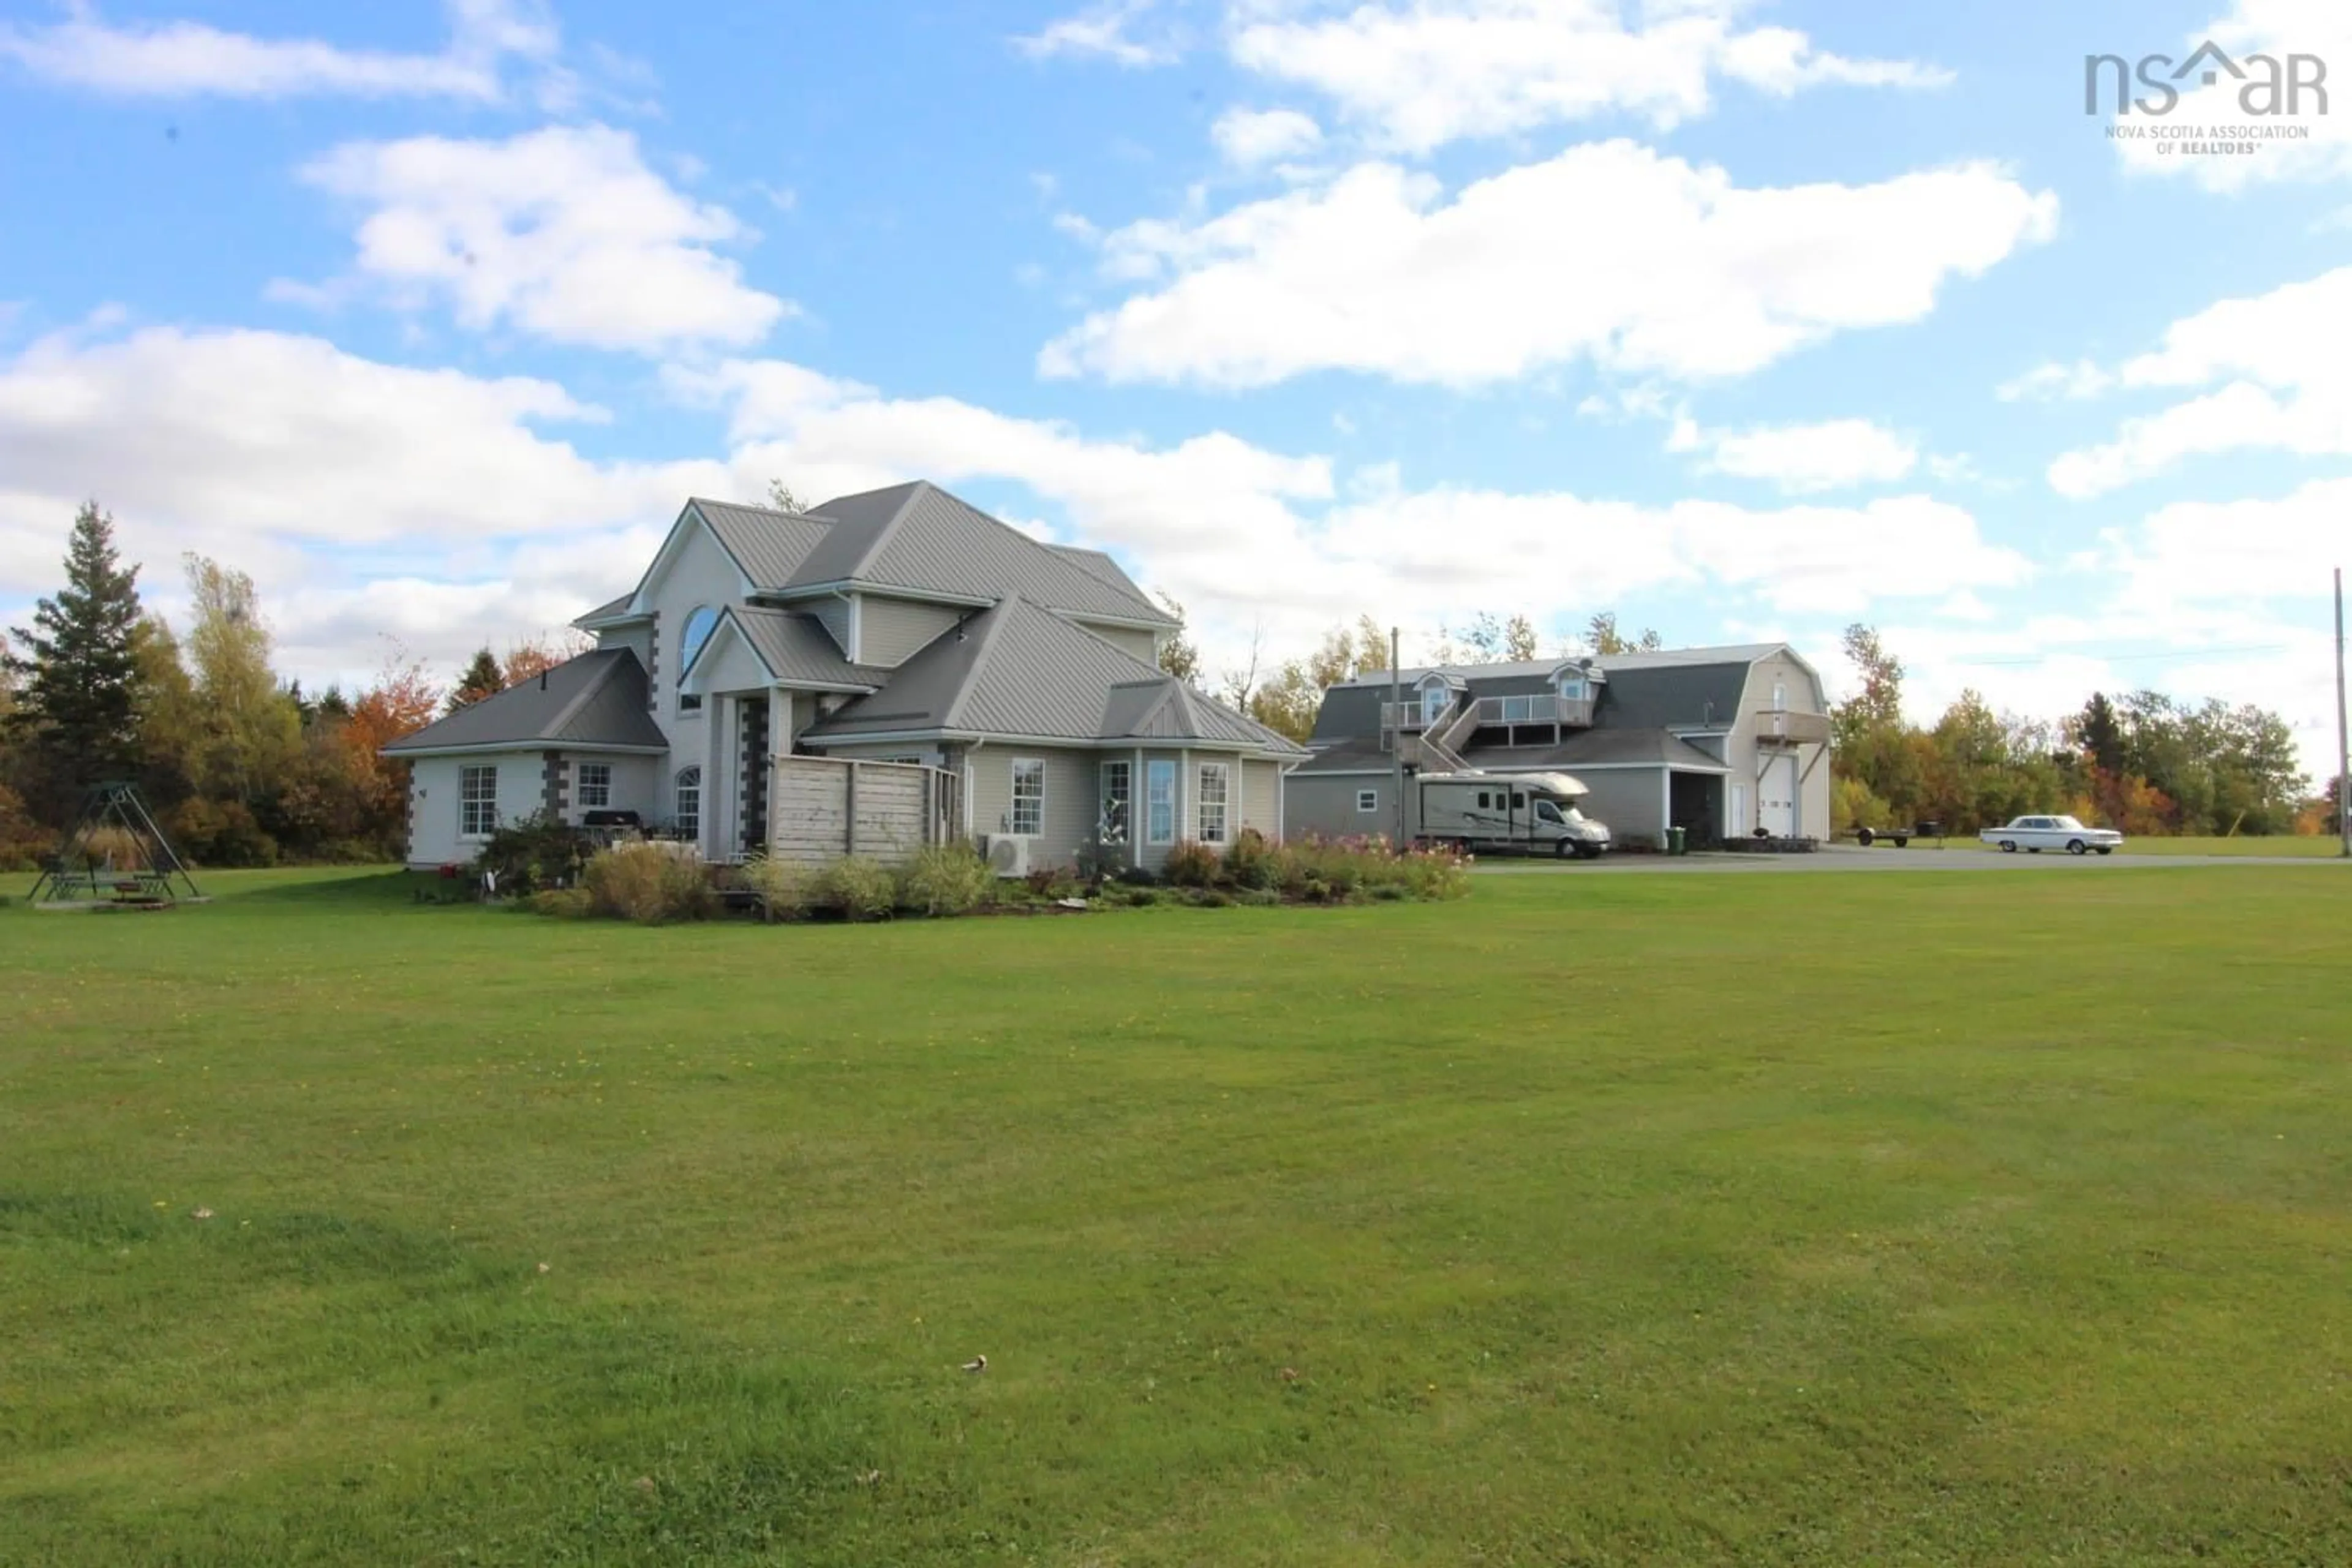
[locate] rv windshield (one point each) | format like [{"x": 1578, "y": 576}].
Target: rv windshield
[{"x": 1557, "y": 811}]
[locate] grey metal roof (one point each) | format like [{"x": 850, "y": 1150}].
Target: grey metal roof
[
  {"x": 770, "y": 545},
  {"x": 605, "y": 612},
  {"x": 918, "y": 538},
  {"x": 795, "y": 648},
  {"x": 593, "y": 701},
  {"x": 1102, "y": 563},
  {"x": 1018, "y": 670}
]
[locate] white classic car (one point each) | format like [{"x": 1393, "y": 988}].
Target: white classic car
[{"x": 2035, "y": 833}]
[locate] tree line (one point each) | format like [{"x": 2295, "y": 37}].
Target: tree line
[
  {"x": 2142, "y": 762},
  {"x": 240, "y": 768}
]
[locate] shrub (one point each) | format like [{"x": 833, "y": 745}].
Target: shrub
[
  {"x": 561, "y": 903},
  {"x": 542, "y": 850},
  {"x": 860, "y": 888},
  {"x": 218, "y": 833},
  {"x": 782, "y": 886},
  {"x": 649, "y": 883},
  {"x": 1041, "y": 880},
  {"x": 945, "y": 879},
  {"x": 1140, "y": 877},
  {"x": 1190, "y": 865},
  {"x": 22, "y": 840},
  {"x": 1250, "y": 863},
  {"x": 1432, "y": 875},
  {"x": 116, "y": 848}
]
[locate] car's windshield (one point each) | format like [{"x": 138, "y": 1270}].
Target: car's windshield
[{"x": 1547, "y": 812}]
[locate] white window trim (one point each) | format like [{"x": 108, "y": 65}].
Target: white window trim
[
  {"x": 1013, "y": 798},
  {"x": 677, "y": 789},
  {"x": 1149, "y": 768},
  {"x": 1368, "y": 801},
  {"x": 605, "y": 801},
  {"x": 466, "y": 803},
  {"x": 1225, "y": 773}
]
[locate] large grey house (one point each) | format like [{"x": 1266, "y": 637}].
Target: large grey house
[
  {"x": 1721, "y": 742},
  {"x": 1009, "y": 687}
]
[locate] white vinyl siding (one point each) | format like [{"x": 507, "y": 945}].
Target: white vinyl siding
[
  {"x": 1261, "y": 798},
  {"x": 891, "y": 631},
  {"x": 1160, "y": 800},
  {"x": 477, "y": 801},
  {"x": 594, "y": 786},
  {"x": 1213, "y": 813},
  {"x": 1071, "y": 783},
  {"x": 832, "y": 614},
  {"x": 1134, "y": 641},
  {"x": 1028, "y": 797}
]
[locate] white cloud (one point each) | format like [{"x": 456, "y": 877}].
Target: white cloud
[
  {"x": 2275, "y": 28},
  {"x": 1248, "y": 537},
  {"x": 2052, "y": 381},
  {"x": 2282, "y": 386},
  {"x": 290, "y": 437},
  {"x": 1250, "y": 137},
  {"x": 1103, "y": 32},
  {"x": 429, "y": 505},
  {"x": 189, "y": 59},
  {"x": 2198, "y": 553},
  {"x": 1610, "y": 251},
  {"x": 561, "y": 233},
  {"x": 1833, "y": 454},
  {"x": 1416, "y": 76}
]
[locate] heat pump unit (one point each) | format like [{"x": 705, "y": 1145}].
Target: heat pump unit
[{"x": 1008, "y": 856}]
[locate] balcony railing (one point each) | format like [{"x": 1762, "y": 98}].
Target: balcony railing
[
  {"x": 1778, "y": 727},
  {"x": 1537, "y": 708}
]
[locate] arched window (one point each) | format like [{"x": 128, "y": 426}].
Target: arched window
[
  {"x": 689, "y": 802},
  {"x": 698, "y": 632}
]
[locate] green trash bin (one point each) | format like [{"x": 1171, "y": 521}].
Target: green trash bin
[{"x": 1675, "y": 841}]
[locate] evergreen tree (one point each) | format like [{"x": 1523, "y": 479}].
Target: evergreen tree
[
  {"x": 77, "y": 702},
  {"x": 2101, "y": 733},
  {"x": 483, "y": 677}
]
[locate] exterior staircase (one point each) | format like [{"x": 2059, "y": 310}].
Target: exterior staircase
[{"x": 1454, "y": 726}]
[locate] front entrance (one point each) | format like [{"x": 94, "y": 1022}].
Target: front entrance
[{"x": 1775, "y": 796}]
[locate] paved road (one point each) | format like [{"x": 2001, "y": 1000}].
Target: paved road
[{"x": 1847, "y": 857}]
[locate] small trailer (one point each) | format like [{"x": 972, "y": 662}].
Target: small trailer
[
  {"x": 1526, "y": 814},
  {"x": 1899, "y": 836}
]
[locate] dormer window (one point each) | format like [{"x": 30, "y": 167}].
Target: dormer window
[
  {"x": 1436, "y": 697},
  {"x": 1573, "y": 685}
]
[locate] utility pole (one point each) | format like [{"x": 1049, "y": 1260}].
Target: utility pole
[
  {"x": 1396, "y": 727},
  {"x": 2343, "y": 745}
]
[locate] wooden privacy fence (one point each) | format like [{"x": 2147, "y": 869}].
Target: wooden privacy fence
[{"x": 820, "y": 808}]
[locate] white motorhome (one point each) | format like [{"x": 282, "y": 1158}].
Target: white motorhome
[{"x": 1531, "y": 814}]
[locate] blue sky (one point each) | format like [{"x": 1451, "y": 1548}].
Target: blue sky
[{"x": 1742, "y": 320}]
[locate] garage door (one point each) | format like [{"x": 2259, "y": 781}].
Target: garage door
[{"x": 1775, "y": 798}]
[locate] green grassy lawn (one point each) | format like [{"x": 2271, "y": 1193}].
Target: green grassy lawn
[{"x": 1599, "y": 1220}]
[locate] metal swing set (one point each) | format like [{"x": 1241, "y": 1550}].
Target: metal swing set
[{"x": 115, "y": 857}]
